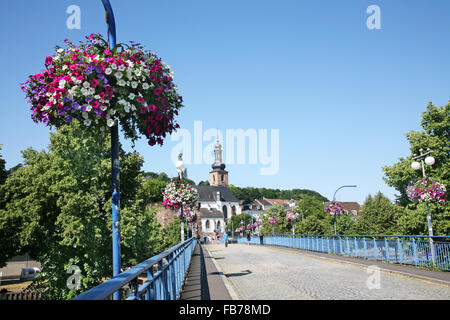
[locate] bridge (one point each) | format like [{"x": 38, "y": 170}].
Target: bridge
[{"x": 286, "y": 267}]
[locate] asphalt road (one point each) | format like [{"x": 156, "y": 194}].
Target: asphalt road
[{"x": 269, "y": 273}]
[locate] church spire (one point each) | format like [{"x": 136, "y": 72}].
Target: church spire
[{"x": 218, "y": 176}]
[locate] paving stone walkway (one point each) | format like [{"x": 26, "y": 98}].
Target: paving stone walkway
[{"x": 273, "y": 273}]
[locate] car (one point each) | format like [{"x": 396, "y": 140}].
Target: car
[{"x": 29, "y": 273}]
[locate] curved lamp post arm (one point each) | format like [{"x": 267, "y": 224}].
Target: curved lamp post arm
[
  {"x": 109, "y": 16},
  {"x": 349, "y": 186}
]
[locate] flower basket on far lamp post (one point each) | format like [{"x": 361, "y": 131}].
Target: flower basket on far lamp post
[
  {"x": 272, "y": 220},
  {"x": 292, "y": 217},
  {"x": 334, "y": 208},
  {"x": 426, "y": 190},
  {"x": 181, "y": 197}
]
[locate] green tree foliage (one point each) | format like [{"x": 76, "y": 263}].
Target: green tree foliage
[
  {"x": 345, "y": 224},
  {"x": 236, "y": 220},
  {"x": 378, "y": 216},
  {"x": 250, "y": 193},
  {"x": 3, "y": 172},
  {"x": 435, "y": 135},
  {"x": 151, "y": 190},
  {"x": 57, "y": 207}
]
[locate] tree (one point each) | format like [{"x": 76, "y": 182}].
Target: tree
[
  {"x": 435, "y": 136},
  {"x": 151, "y": 191},
  {"x": 345, "y": 224},
  {"x": 3, "y": 172},
  {"x": 57, "y": 207},
  {"x": 378, "y": 216}
]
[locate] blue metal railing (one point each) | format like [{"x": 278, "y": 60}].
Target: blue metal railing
[
  {"x": 165, "y": 274},
  {"x": 412, "y": 250}
]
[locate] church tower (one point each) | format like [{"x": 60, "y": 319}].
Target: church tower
[{"x": 218, "y": 176}]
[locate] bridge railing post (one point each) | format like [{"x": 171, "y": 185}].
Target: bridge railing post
[
  {"x": 386, "y": 245},
  {"x": 375, "y": 249},
  {"x": 365, "y": 247},
  {"x": 400, "y": 250},
  {"x": 416, "y": 255}
]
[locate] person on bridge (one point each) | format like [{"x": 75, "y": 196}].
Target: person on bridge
[
  {"x": 248, "y": 237},
  {"x": 225, "y": 238},
  {"x": 261, "y": 236}
]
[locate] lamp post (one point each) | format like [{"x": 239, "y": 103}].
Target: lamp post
[
  {"x": 182, "y": 173},
  {"x": 109, "y": 16},
  {"x": 429, "y": 160},
  {"x": 334, "y": 199}
]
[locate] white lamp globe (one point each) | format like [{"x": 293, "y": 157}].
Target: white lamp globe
[
  {"x": 429, "y": 160},
  {"x": 415, "y": 165}
]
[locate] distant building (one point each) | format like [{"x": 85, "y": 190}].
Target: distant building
[
  {"x": 216, "y": 202},
  {"x": 259, "y": 207}
]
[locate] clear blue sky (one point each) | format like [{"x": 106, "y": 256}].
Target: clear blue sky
[{"x": 342, "y": 96}]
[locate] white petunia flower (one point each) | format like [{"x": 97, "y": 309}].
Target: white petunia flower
[
  {"x": 121, "y": 82},
  {"x": 87, "y": 122},
  {"x": 85, "y": 115},
  {"x": 118, "y": 75},
  {"x": 86, "y": 84},
  {"x": 145, "y": 86},
  {"x": 103, "y": 108},
  {"x": 110, "y": 122},
  {"x": 88, "y": 107},
  {"x": 122, "y": 68},
  {"x": 108, "y": 71},
  {"x": 131, "y": 96},
  {"x": 114, "y": 66},
  {"x": 127, "y": 109},
  {"x": 134, "y": 84},
  {"x": 133, "y": 108}
]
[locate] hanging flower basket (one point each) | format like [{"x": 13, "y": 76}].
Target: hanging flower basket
[
  {"x": 427, "y": 189},
  {"x": 257, "y": 224},
  {"x": 241, "y": 228},
  {"x": 190, "y": 216},
  {"x": 98, "y": 87},
  {"x": 334, "y": 208},
  {"x": 250, "y": 226},
  {"x": 291, "y": 216},
  {"x": 177, "y": 195},
  {"x": 273, "y": 220}
]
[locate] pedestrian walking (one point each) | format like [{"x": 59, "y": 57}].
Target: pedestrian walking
[
  {"x": 248, "y": 237},
  {"x": 225, "y": 238},
  {"x": 261, "y": 238}
]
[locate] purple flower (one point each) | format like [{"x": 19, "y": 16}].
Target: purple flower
[
  {"x": 75, "y": 105},
  {"x": 83, "y": 108},
  {"x": 88, "y": 100}
]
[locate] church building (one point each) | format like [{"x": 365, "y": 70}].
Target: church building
[{"x": 216, "y": 202}]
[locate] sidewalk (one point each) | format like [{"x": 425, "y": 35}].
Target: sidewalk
[
  {"x": 204, "y": 281},
  {"x": 441, "y": 277}
]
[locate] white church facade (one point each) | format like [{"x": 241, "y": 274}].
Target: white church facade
[{"x": 216, "y": 203}]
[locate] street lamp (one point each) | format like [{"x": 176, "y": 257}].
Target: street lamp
[
  {"x": 429, "y": 160},
  {"x": 334, "y": 198},
  {"x": 182, "y": 173}
]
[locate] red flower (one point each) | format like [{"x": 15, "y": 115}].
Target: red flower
[
  {"x": 158, "y": 91},
  {"x": 94, "y": 83}
]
